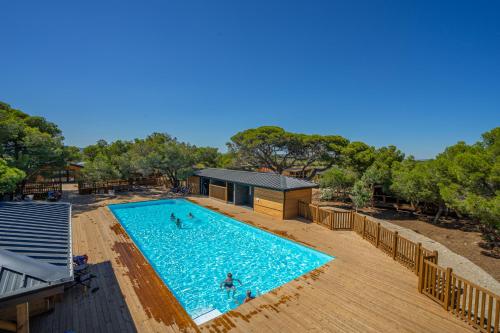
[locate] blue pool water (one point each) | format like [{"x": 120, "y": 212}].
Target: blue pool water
[{"x": 193, "y": 260}]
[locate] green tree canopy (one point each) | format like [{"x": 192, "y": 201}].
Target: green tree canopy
[
  {"x": 274, "y": 148},
  {"x": 339, "y": 180},
  {"x": 29, "y": 143},
  {"x": 9, "y": 177}
]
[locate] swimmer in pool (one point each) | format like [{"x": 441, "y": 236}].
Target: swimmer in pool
[
  {"x": 172, "y": 216},
  {"x": 228, "y": 284},
  {"x": 249, "y": 296},
  {"x": 190, "y": 215},
  {"x": 178, "y": 223}
]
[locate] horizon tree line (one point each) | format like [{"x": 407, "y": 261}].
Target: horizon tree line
[{"x": 463, "y": 178}]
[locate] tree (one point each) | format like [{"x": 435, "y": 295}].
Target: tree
[
  {"x": 226, "y": 160},
  {"x": 468, "y": 178},
  {"x": 274, "y": 148},
  {"x": 358, "y": 156},
  {"x": 163, "y": 155},
  {"x": 9, "y": 177},
  {"x": 319, "y": 150},
  {"x": 29, "y": 143},
  {"x": 360, "y": 195},
  {"x": 379, "y": 173},
  {"x": 416, "y": 182},
  {"x": 339, "y": 180},
  {"x": 100, "y": 168},
  {"x": 206, "y": 157}
]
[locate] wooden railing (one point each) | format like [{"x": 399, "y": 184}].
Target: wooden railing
[
  {"x": 117, "y": 185},
  {"x": 218, "y": 192},
  {"x": 39, "y": 190},
  {"x": 466, "y": 300},
  {"x": 402, "y": 250}
]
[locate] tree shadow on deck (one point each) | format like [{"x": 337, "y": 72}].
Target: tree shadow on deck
[
  {"x": 82, "y": 203},
  {"x": 80, "y": 311}
]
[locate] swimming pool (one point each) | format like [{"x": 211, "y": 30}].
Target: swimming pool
[{"x": 193, "y": 260}]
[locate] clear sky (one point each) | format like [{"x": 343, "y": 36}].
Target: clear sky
[{"x": 418, "y": 74}]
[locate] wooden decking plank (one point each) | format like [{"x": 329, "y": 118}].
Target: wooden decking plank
[{"x": 361, "y": 290}]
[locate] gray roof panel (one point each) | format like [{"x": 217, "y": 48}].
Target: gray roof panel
[
  {"x": 260, "y": 179},
  {"x": 35, "y": 246}
]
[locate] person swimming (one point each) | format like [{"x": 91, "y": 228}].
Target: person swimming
[
  {"x": 228, "y": 284},
  {"x": 249, "y": 296},
  {"x": 178, "y": 223},
  {"x": 190, "y": 215},
  {"x": 172, "y": 216}
]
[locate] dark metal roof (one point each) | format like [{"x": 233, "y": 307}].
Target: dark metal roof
[
  {"x": 35, "y": 246},
  {"x": 260, "y": 179}
]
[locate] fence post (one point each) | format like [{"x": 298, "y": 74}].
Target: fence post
[
  {"x": 317, "y": 214},
  {"x": 447, "y": 288},
  {"x": 364, "y": 227},
  {"x": 377, "y": 238},
  {"x": 435, "y": 254},
  {"x": 417, "y": 258},
  {"x": 395, "y": 245},
  {"x": 331, "y": 215},
  {"x": 351, "y": 220},
  {"x": 421, "y": 273}
]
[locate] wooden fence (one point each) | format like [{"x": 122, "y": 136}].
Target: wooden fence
[
  {"x": 117, "y": 185},
  {"x": 466, "y": 300},
  {"x": 218, "y": 192},
  {"x": 39, "y": 191}
]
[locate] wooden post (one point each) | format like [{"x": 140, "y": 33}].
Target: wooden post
[
  {"x": 447, "y": 288},
  {"x": 317, "y": 213},
  {"x": 377, "y": 235},
  {"x": 417, "y": 258},
  {"x": 331, "y": 215},
  {"x": 23, "y": 318},
  {"x": 351, "y": 220},
  {"x": 364, "y": 226},
  {"x": 435, "y": 254},
  {"x": 395, "y": 245},
  {"x": 421, "y": 275}
]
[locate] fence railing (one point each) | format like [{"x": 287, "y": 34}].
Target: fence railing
[
  {"x": 466, "y": 300},
  {"x": 39, "y": 190},
  {"x": 117, "y": 185}
]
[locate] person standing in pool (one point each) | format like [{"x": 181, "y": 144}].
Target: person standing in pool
[
  {"x": 228, "y": 284},
  {"x": 172, "y": 217},
  {"x": 178, "y": 223},
  {"x": 190, "y": 215}
]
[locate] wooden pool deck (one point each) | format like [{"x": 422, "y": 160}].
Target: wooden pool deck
[{"x": 362, "y": 290}]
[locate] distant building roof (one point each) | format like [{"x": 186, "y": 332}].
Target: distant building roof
[
  {"x": 35, "y": 246},
  {"x": 260, "y": 179}
]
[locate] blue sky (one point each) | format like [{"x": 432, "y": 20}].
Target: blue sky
[{"x": 418, "y": 74}]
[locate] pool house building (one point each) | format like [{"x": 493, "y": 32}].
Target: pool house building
[{"x": 268, "y": 193}]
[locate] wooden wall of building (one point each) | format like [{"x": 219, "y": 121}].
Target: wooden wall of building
[
  {"x": 268, "y": 202},
  {"x": 194, "y": 184},
  {"x": 291, "y": 205},
  {"x": 217, "y": 192}
]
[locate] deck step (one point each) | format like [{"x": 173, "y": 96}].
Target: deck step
[{"x": 207, "y": 316}]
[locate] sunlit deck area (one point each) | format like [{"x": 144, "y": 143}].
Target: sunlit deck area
[{"x": 362, "y": 290}]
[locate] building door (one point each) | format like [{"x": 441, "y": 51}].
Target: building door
[{"x": 205, "y": 184}]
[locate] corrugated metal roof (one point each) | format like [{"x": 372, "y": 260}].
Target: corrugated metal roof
[
  {"x": 35, "y": 246},
  {"x": 259, "y": 179}
]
